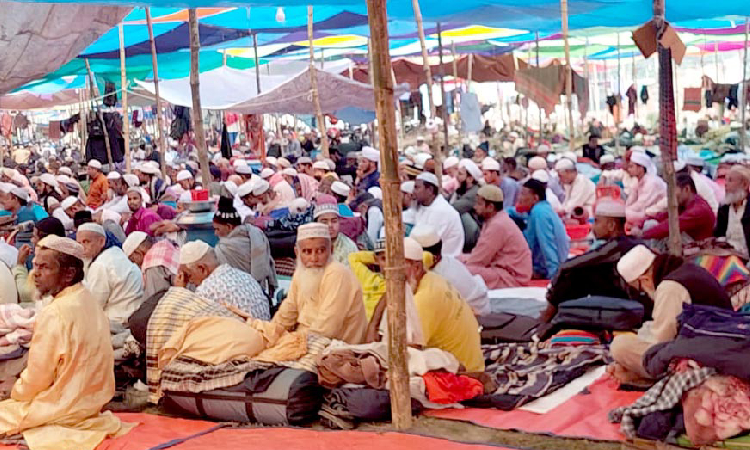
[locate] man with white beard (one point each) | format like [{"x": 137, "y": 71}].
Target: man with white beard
[
  {"x": 733, "y": 218},
  {"x": 325, "y": 296}
]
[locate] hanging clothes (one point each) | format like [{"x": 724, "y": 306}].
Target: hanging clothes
[
  {"x": 632, "y": 96},
  {"x": 733, "y": 96},
  {"x": 226, "y": 146},
  {"x": 644, "y": 94},
  {"x": 692, "y": 99}
]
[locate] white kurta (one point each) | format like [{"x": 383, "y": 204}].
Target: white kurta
[
  {"x": 65, "y": 219},
  {"x": 471, "y": 287},
  {"x": 284, "y": 192},
  {"x": 446, "y": 220},
  {"x": 582, "y": 192},
  {"x": 118, "y": 204},
  {"x": 8, "y": 293},
  {"x": 116, "y": 283}
]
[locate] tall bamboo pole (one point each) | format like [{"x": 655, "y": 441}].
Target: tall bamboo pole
[
  {"x": 668, "y": 141},
  {"x": 442, "y": 92},
  {"x": 314, "y": 85},
  {"x": 258, "y": 88},
  {"x": 743, "y": 94},
  {"x": 159, "y": 117},
  {"x": 716, "y": 60},
  {"x": 425, "y": 56},
  {"x": 541, "y": 113},
  {"x": 635, "y": 83},
  {"x": 124, "y": 84},
  {"x": 195, "y": 90},
  {"x": 395, "y": 279},
  {"x": 528, "y": 102},
  {"x": 455, "y": 87},
  {"x": 95, "y": 95},
  {"x": 568, "y": 74},
  {"x": 470, "y": 70}
]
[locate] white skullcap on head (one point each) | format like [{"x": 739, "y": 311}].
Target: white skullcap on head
[
  {"x": 407, "y": 187},
  {"x": 635, "y": 263},
  {"x": 449, "y": 162},
  {"x": 193, "y": 251},
  {"x": 114, "y": 175},
  {"x": 420, "y": 159},
  {"x": 244, "y": 169},
  {"x": 537, "y": 163},
  {"x": 420, "y": 138},
  {"x": 289, "y": 172},
  {"x": 52, "y": 203},
  {"x": 376, "y": 192},
  {"x": 304, "y": 160},
  {"x": 114, "y": 216},
  {"x": 321, "y": 165},
  {"x": 131, "y": 180},
  {"x": 609, "y": 207},
  {"x": 95, "y": 164},
  {"x": 260, "y": 187},
  {"x": 425, "y": 235},
  {"x": 68, "y": 202},
  {"x": 283, "y": 162},
  {"x": 271, "y": 160},
  {"x": 21, "y": 193},
  {"x": 245, "y": 189},
  {"x": 183, "y": 175},
  {"x": 565, "y": 164},
  {"x": 543, "y": 148},
  {"x": 571, "y": 156},
  {"x": 412, "y": 250},
  {"x": 5, "y": 188},
  {"x": 298, "y": 205},
  {"x": 428, "y": 177},
  {"x": 63, "y": 245},
  {"x": 66, "y": 171},
  {"x": 541, "y": 175},
  {"x": 472, "y": 168},
  {"x": 231, "y": 187},
  {"x": 696, "y": 161},
  {"x": 313, "y": 230},
  {"x": 552, "y": 158},
  {"x": 133, "y": 241},
  {"x": 489, "y": 163},
  {"x": 331, "y": 164},
  {"x": 92, "y": 227},
  {"x": 266, "y": 173},
  {"x": 607, "y": 159},
  {"x": 48, "y": 179},
  {"x": 150, "y": 168},
  {"x": 370, "y": 154},
  {"x": 641, "y": 159},
  {"x": 678, "y": 165},
  {"x": 340, "y": 188}
]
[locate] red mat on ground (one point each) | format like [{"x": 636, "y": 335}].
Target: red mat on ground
[
  {"x": 583, "y": 416},
  {"x": 158, "y": 430}
]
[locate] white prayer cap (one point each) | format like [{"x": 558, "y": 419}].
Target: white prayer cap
[
  {"x": 266, "y": 173},
  {"x": 283, "y": 162},
  {"x": 244, "y": 169},
  {"x": 537, "y": 163},
  {"x": 137, "y": 190},
  {"x": 66, "y": 171},
  {"x": 449, "y": 162},
  {"x": 407, "y": 187},
  {"x": 313, "y": 230},
  {"x": 325, "y": 208},
  {"x": 304, "y": 160},
  {"x": 271, "y": 160},
  {"x": 245, "y": 189},
  {"x": 260, "y": 187},
  {"x": 322, "y": 165},
  {"x": 48, "y": 179},
  {"x": 193, "y": 251},
  {"x": 425, "y": 235},
  {"x": 607, "y": 159},
  {"x": 428, "y": 177},
  {"x": 95, "y": 164},
  {"x": 513, "y": 134},
  {"x": 63, "y": 245},
  {"x": 5, "y": 188},
  {"x": 420, "y": 138},
  {"x": 678, "y": 165},
  {"x": 490, "y": 164},
  {"x": 420, "y": 159},
  {"x": 695, "y": 161},
  {"x": 609, "y": 207},
  {"x": 370, "y": 153},
  {"x": 412, "y": 250},
  {"x": 376, "y": 192},
  {"x": 541, "y": 175},
  {"x": 150, "y": 168},
  {"x": 641, "y": 159},
  {"x": 237, "y": 162},
  {"x": 298, "y": 205},
  {"x": 131, "y": 180},
  {"x": 18, "y": 178},
  {"x": 571, "y": 156},
  {"x": 114, "y": 216},
  {"x": 92, "y": 227},
  {"x": 331, "y": 164},
  {"x": 21, "y": 193},
  {"x": 410, "y": 150},
  {"x": 551, "y": 158},
  {"x": 133, "y": 241},
  {"x": 52, "y": 203},
  {"x": 635, "y": 263},
  {"x": 543, "y": 148},
  {"x": 289, "y": 171},
  {"x": 113, "y": 175},
  {"x": 183, "y": 175},
  {"x": 68, "y": 202},
  {"x": 340, "y": 188},
  {"x": 565, "y": 164},
  {"x": 472, "y": 168}
]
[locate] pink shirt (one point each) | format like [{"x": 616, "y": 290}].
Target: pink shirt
[
  {"x": 648, "y": 192},
  {"x": 142, "y": 221}
]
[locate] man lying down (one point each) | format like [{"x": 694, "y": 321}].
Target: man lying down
[{"x": 57, "y": 400}]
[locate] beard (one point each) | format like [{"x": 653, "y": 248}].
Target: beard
[
  {"x": 462, "y": 188},
  {"x": 309, "y": 279},
  {"x": 731, "y": 198}
]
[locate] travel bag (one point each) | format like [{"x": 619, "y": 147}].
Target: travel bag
[{"x": 599, "y": 313}]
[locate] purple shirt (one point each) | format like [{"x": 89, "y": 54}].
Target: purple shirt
[{"x": 142, "y": 221}]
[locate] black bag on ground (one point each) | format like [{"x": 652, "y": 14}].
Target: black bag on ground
[
  {"x": 504, "y": 327},
  {"x": 277, "y": 396},
  {"x": 599, "y": 313}
]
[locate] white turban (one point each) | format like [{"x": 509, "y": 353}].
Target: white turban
[
  {"x": 193, "y": 251},
  {"x": 92, "y": 227},
  {"x": 133, "y": 241}
]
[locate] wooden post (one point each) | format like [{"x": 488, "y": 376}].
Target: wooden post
[
  {"x": 159, "y": 117},
  {"x": 471, "y": 70},
  {"x": 314, "y": 85},
  {"x": 442, "y": 95},
  {"x": 455, "y": 86},
  {"x": 95, "y": 95},
  {"x": 395, "y": 278},
  {"x": 124, "y": 84},
  {"x": 568, "y": 74},
  {"x": 541, "y": 113},
  {"x": 716, "y": 60},
  {"x": 743, "y": 91},
  {"x": 83, "y": 122},
  {"x": 528, "y": 102},
  {"x": 425, "y": 56},
  {"x": 635, "y": 83},
  {"x": 195, "y": 90},
  {"x": 258, "y": 88},
  {"x": 668, "y": 141}
]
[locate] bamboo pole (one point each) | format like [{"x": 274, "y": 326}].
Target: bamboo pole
[
  {"x": 471, "y": 70},
  {"x": 568, "y": 73},
  {"x": 124, "y": 84},
  {"x": 195, "y": 90},
  {"x": 395, "y": 279},
  {"x": 442, "y": 95},
  {"x": 743, "y": 94},
  {"x": 159, "y": 117},
  {"x": 668, "y": 141},
  {"x": 314, "y": 85},
  {"x": 635, "y": 83},
  {"x": 258, "y": 88},
  {"x": 425, "y": 56},
  {"x": 528, "y": 102},
  {"x": 541, "y": 113},
  {"x": 95, "y": 94},
  {"x": 455, "y": 84},
  {"x": 716, "y": 60}
]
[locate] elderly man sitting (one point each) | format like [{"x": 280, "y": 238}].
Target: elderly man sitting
[
  {"x": 580, "y": 192},
  {"x": 328, "y": 215},
  {"x": 158, "y": 261},
  {"x": 69, "y": 376},
  {"x": 221, "y": 283},
  {"x": 325, "y": 296},
  {"x": 733, "y": 220},
  {"x": 113, "y": 280}
]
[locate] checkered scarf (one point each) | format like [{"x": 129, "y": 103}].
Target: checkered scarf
[
  {"x": 664, "y": 395},
  {"x": 163, "y": 254}
]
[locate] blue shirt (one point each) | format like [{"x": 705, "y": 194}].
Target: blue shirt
[
  {"x": 510, "y": 188},
  {"x": 345, "y": 210},
  {"x": 547, "y": 239},
  {"x": 371, "y": 180},
  {"x": 31, "y": 212}
]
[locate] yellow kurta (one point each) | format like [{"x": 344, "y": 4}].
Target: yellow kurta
[
  {"x": 448, "y": 322},
  {"x": 56, "y": 402},
  {"x": 337, "y": 312}
]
